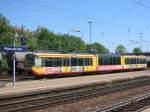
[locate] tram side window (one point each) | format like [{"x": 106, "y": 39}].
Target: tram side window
[
  {"x": 127, "y": 61},
  {"x": 109, "y": 60},
  {"x": 138, "y": 61},
  {"x": 57, "y": 62},
  {"x": 145, "y": 61},
  {"x": 80, "y": 61},
  {"x": 119, "y": 60},
  {"x": 74, "y": 62},
  {"x": 100, "y": 60},
  {"x": 49, "y": 62},
  {"x": 88, "y": 61},
  {"x": 134, "y": 60},
  {"x": 114, "y": 59},
  {"x": 131, "y": 61},
  {"x": 66, "y": 62},
  {"x": 105, "y": 60},
  {"x": 142, "y": 61}
]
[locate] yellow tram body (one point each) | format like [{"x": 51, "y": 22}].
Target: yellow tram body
[
  {"x": 134, "y": 62},
  {"x": 44, "y": 64},
  {"x": 40, "y": 70}
]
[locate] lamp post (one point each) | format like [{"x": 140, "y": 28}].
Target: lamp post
[
  {"x": 132, "y": 42},
  {"x": 146, "y": 46},
  {"x": 141, "y": 36},
  {"x": 78, "y": 31},
  {"x": 90, "y": 22},
  {"x": 113, "y": 47}
]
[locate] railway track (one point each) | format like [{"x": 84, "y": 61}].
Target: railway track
[
  {"x": 136, "y": 104},
  {"x": 40, "y": 99},
  {"x": 21, "y": 78},
  {"x": 8, "y": 77}
]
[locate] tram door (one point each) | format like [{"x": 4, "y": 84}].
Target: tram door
[
  {"x": 66, "y": 64},
  {"x": 81, "y": 64},
  {"x": 77, "y": 64}
]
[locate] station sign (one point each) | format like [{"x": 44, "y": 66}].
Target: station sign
[{"x": 13, "y": 49}]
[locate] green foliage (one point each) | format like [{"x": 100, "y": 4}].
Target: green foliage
[
  {"x": 99, "y": 48},
  {"x": 6, "y": 31},
  {"x": 120, "y": 49},
  {"x": 32, "y": 43},
  {"x": 137, "y": 50},
  {"x": 44, "y": 39},
  {"x": 47, "y": 40},
  {"x": 3, "y": 64}
]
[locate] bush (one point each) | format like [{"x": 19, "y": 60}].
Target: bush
[{"x": 3, "y": 64}]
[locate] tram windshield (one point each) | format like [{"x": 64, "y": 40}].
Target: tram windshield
[{"x": 29, "y": 60}]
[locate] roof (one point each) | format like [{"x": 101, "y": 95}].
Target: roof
[{"x": 61, "y": 54}]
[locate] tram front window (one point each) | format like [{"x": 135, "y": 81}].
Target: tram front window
[
  {"x": 38, "y": 62},
  {"x": 29, "y": 60}
]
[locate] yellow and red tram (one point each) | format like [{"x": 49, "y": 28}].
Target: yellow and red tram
[{"x": 44, "y": 64}]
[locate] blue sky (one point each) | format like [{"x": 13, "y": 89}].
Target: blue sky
[{"x": 114, "y": 21}]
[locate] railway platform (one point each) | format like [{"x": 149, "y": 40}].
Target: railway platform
[
  {"x": 146, "y": 110},
  {"x": 59, "y": 83}
]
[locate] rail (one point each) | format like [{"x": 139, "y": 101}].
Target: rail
[
  {"x": 52, "y": 98},
  {"x": 125, "y": 106}
]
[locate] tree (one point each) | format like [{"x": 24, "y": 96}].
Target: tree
[
  {"x": 137, "y": 50},
  {"x": 120, "y": 49},
  {"x": 44, "y": 39},
  {"x": 98, "y": 48},
  {"x": 6, "y": 31},
  {"x": 6, "y": 34},
  {"x": 72, "y": 43}
]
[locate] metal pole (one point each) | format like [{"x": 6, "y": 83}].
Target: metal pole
[
  {"x": 90, "y": 35},
  {"x": 14, "y": 62},
  {"x": 90, "y": 22},
  {"x": 82, "y": 36},
  {"x": 141, "y": 43},
  {"x": 141, "y": 40}
]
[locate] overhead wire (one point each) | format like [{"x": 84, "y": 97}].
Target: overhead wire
[
  {"x": 81, "y": 15},
  {"x": 31, "y": 10},
  {"x": 57, "y": 9},
  {"x": 141, "y": 4},
  {"x": 96, "y": 23}
]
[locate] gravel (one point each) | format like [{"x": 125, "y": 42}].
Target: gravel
[{"x": 90, "y": 104}]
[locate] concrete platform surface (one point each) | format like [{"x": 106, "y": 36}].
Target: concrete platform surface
[
  {"x": 28, "y": 86},
  {"x": 146, "y": 110}
]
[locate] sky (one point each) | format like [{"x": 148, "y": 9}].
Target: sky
[{"x": 114, "y": 22}]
